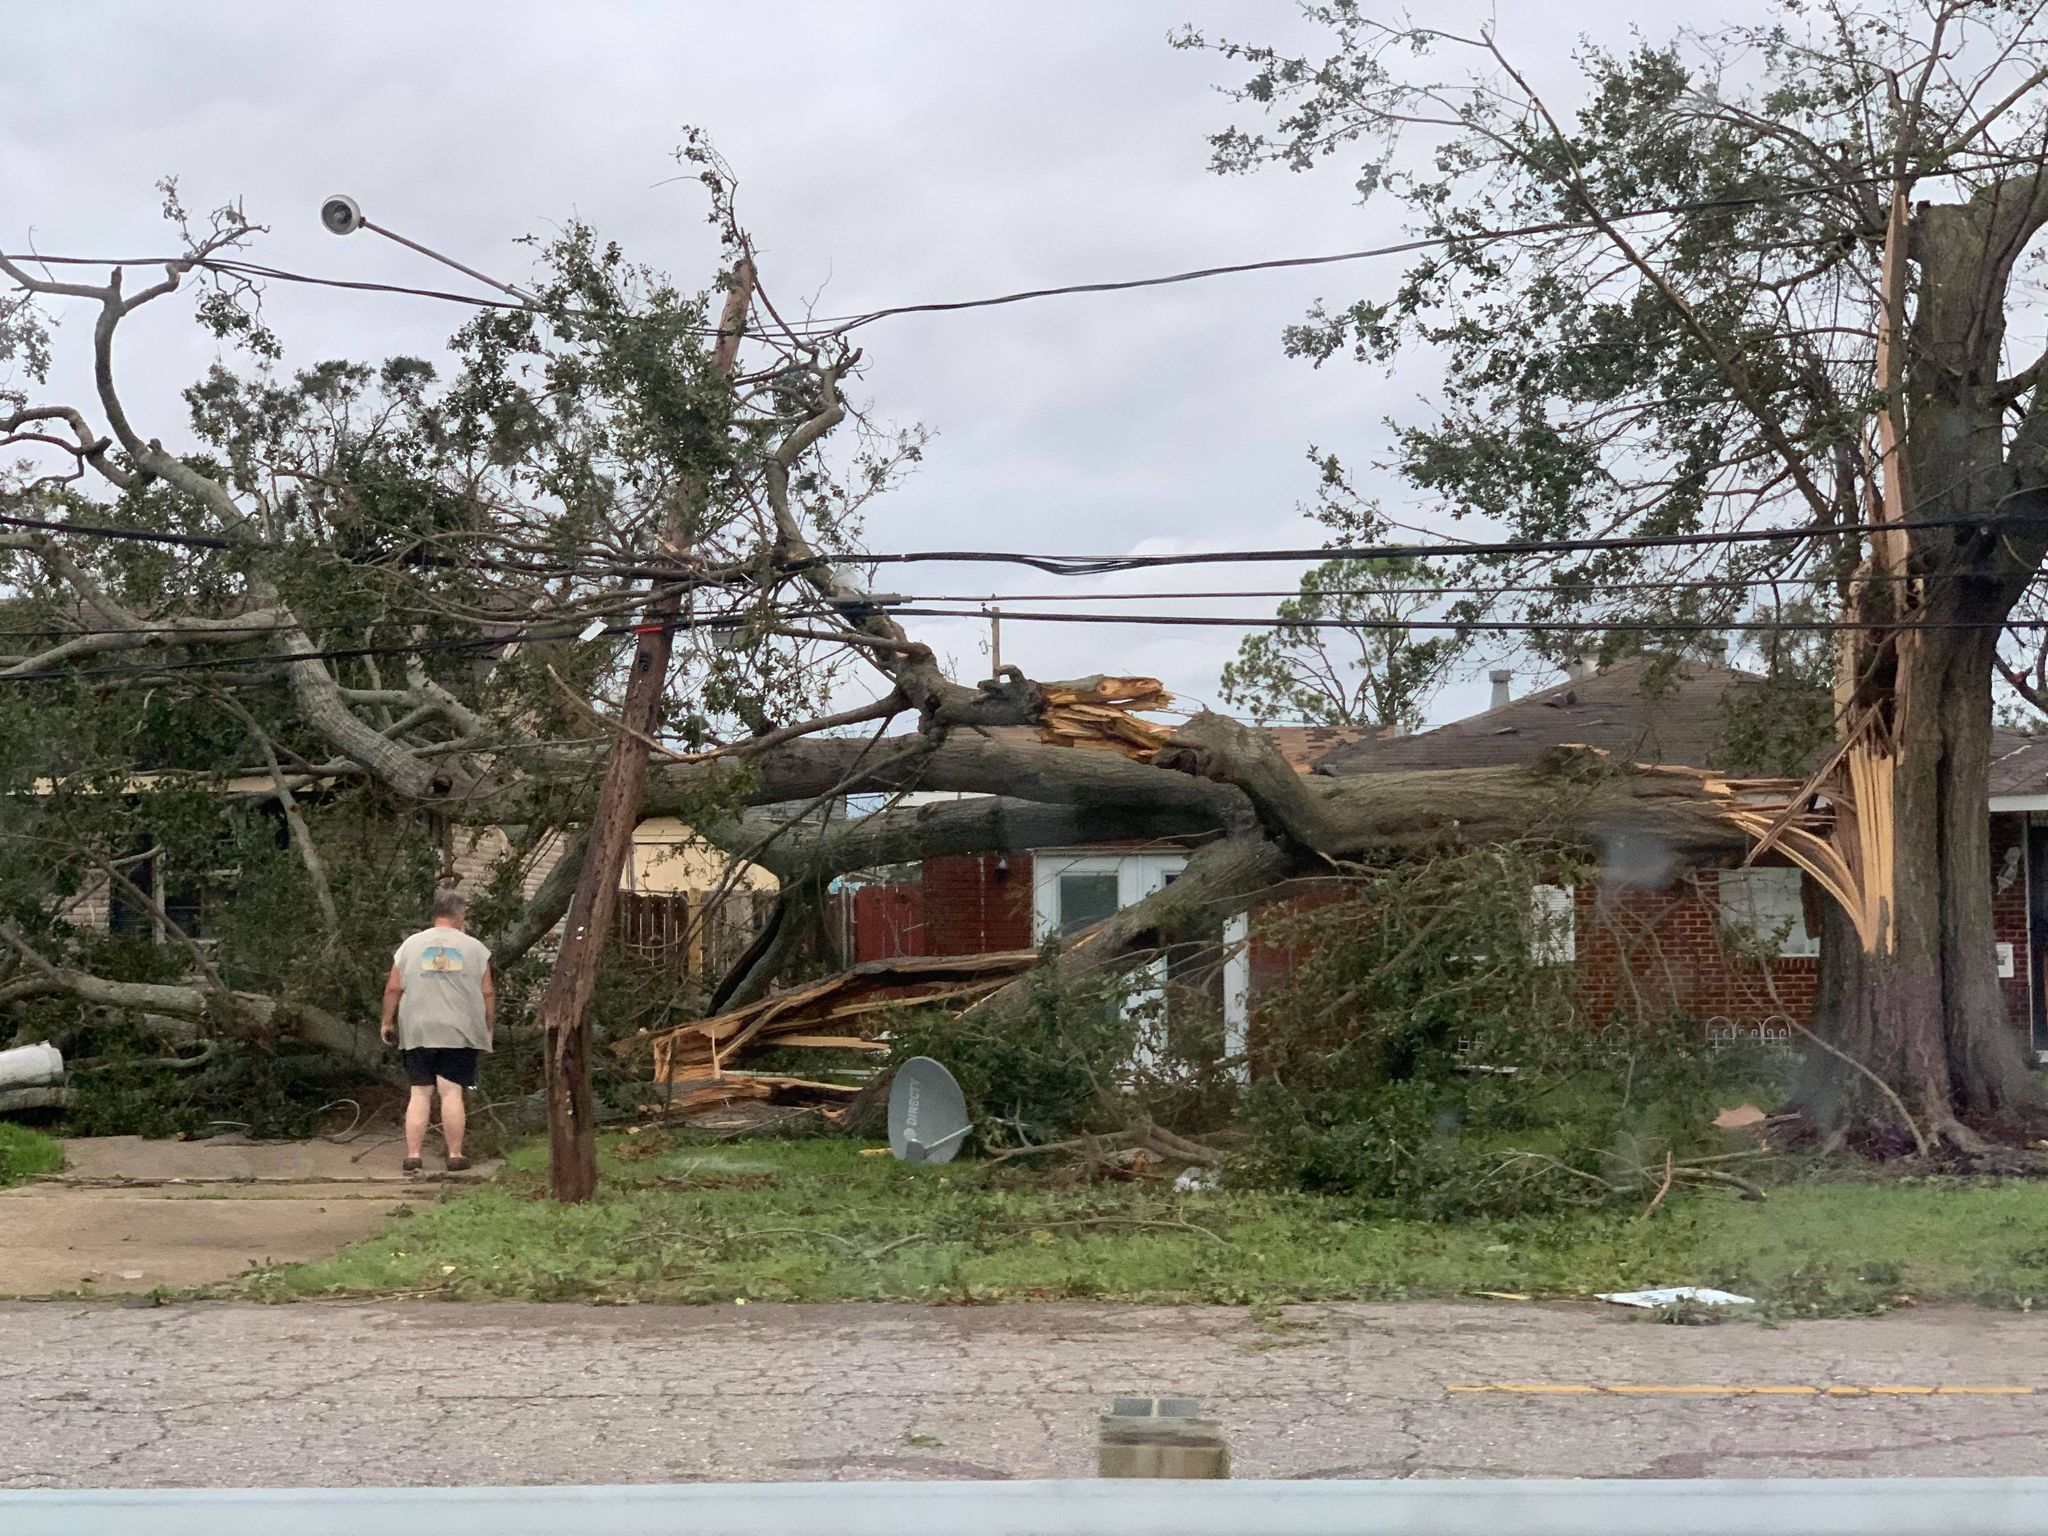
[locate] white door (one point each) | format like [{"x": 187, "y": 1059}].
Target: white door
[{"x": 1073, "y": 891}]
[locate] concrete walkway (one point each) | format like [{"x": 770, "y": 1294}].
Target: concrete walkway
[
  {"x": 131, "y": 1215},
  {"x": 329, "y": 1394}
]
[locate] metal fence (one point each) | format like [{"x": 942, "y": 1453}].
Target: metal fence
[{"x": 1816, "y": 1507}]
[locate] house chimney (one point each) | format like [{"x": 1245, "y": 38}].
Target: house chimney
[
  {"x": 1500, "y": 677},
  {"x": 1579, "y": 667},
  {"x": 1715, "y": 648}
]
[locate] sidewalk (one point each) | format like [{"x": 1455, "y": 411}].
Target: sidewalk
[{"x": 131, "y": 1215}]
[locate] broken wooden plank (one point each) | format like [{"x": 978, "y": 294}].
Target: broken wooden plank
[{"x": 829, "y": 1043}]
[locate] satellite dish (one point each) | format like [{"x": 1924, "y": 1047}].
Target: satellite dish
[{"x": 927, "y": 1113}]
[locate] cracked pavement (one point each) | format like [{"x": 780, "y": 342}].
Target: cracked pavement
[{"x": 318, "y": 1394}]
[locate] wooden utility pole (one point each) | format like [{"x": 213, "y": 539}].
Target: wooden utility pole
[{"x": 565, "y": 1007}]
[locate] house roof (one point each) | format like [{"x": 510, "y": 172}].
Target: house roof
[
  {"x": 1677, "y": 718},
  {"x": 2019, "y": 771},
  {"x": 1683, "y": 722},
  {"x": 1305, "y": 746}
]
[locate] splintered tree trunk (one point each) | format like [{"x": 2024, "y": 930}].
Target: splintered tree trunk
[{"x": 1928, "y": 1018}]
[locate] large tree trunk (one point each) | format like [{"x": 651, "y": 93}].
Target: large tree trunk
[
  {"x": 1923, "y": 1012},
  {"x": 1928, "y": 1018}
]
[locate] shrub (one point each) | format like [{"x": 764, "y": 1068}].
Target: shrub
[{"x": 1425, "y": 1056}]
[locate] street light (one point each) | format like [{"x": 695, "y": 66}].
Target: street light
[{"x": 344, "y": 216}]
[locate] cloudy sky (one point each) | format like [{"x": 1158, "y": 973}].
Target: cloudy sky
[{"x": 888, "y": 152}]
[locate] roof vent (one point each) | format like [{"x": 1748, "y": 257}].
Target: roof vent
[{"x": 1500, "y": 677}]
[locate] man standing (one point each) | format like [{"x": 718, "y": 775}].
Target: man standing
[{"x": 441, "y": 1011}]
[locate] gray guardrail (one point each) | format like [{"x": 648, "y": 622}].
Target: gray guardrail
[{"x": 1790, "y": 1507}]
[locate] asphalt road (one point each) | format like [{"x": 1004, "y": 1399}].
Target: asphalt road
[{"x": 98, "y": 1395}]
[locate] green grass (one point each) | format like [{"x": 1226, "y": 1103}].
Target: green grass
[
  {"x": 25, "y": 1153},
  {"x": 818, "y": 1221}
]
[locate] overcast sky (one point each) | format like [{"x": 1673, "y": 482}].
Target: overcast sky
[{"x": 887, "y": 152}]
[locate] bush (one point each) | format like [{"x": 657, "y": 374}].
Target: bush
[
  {"x": 1042, "y": 1072},
  {"x": 1426, "y": 1057},
  {"x": 1075, "y": 1059}
]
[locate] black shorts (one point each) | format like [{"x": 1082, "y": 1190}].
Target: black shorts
[{"x": 454, "y": 1063}]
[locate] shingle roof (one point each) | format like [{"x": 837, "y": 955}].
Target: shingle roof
[
  {"x": 1305, "y": 746},
  {"x": 1681, "y": 721},
  {"x": 2019, "y": 764}
]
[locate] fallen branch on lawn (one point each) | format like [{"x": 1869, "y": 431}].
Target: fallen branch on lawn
[
  {"x": 1630, "y": 1180},
  {"x": 1898, "y": 1104},
  {"x": 1120, "y": 1221},
  {"x": 1144, "y": 1136}
]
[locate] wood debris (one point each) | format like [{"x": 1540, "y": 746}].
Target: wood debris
[
  {"x": 704, "y": 1088},
  {"x": 831, "y": 1014},
  {"x": 1096, "y": 713}
]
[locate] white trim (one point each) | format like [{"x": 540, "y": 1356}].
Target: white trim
[
  {"x": 1237, "y": 992},
  {"x": 2001, "y": 803},
  {"x": 1138, "y": 875},
  {"x": 2026, "y": 948}
]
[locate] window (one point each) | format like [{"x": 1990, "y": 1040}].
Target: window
[
  {"x": 1553, "y": 925},
  {"x": 1764, "y": 907},
  {"x": 1084, "y": 900}
]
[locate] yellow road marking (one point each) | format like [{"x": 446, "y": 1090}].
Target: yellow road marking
[{"x": 1636, "y": 1389}]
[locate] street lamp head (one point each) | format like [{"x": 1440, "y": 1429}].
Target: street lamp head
[{"x": 341, "y": 215}]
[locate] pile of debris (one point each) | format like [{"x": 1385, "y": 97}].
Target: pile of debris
[{"x": 841, "y": 1013}]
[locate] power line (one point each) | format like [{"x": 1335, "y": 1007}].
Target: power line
[
  {"x": 1087, "y": 564},
  {"x": 1103, "y": 565},
  {"x": 1579, "y": 588},
  {"x": 815, "y": 328},
  {"x": 538, "y": 630},
  {"x": 1481, "y": 626},
  {"x": 1181, "y": 620}
]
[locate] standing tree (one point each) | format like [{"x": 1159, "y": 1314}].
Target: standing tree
[
  {"x": 1343, "y": 652},
  {"x": 1761, "y": 277}
]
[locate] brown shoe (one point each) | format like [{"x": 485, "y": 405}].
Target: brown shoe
[
  {"x": 411, "y": 1165},
  {"x": 458, "y": 1165}
]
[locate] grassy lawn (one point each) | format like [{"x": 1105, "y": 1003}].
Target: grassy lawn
[
  {"x": 25, "y": 1153},
  {"x": 820, "y": 1221}
]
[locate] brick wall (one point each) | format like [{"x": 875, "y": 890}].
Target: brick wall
[
  {"x": 1269, "y": 958},
  {"x": 1641, "y": 953},
  {"x": 1649, "y": 954},
  {"x": 972, "y": 908}
]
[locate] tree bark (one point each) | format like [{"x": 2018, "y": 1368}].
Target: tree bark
[{"x": 1929, "y": 1017}]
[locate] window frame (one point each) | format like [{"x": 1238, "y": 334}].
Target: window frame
[{"x": 1777, "y": 941}]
